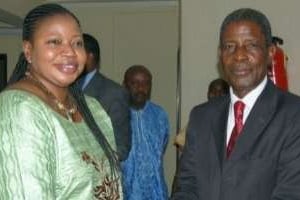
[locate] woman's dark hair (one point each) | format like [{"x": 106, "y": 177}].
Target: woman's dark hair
[{"x": 30, "y": 24}]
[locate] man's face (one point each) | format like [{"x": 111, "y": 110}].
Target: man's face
[
  {"x": 89, "y": 64},
  {"x": 216, "y": 91},
  {"x": 244, "y": 56},
  {"x": 139, "y": 86}
]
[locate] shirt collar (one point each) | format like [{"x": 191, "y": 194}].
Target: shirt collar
[
  {"x": 91, "y": 73},
  {"x": 88, "y": 78},
  {"x": 252, "y": 96}
]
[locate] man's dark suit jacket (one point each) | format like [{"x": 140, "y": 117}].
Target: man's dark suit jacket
[
  {"x": 115, "y": 101},
  {"x": 265, "y": 162}
]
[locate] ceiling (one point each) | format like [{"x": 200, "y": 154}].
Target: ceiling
[{"x": 13, "y": 11}]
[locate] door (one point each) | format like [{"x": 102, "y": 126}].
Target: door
[{"x": 3, "y": 71}]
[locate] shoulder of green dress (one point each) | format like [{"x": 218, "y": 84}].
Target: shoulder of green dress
[
  {"x": 89, "y": 99},
  {"x": 102, "y": 119},
  {"x": 16, "y": 98},
  {"x": 19, "y": 102},
  {"x": 93, "y": 103}
]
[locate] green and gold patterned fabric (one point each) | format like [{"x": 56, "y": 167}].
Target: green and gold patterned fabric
[{"x": 45, "y": 156}]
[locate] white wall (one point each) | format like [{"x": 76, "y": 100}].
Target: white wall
[{"x": 200, "y": 21}]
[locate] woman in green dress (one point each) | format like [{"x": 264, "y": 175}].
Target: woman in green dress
[{"x": 55, "y": 143}]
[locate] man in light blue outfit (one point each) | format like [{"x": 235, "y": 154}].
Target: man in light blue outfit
[{"x": 143, "y": 170}]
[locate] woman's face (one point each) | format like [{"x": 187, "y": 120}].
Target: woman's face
[{"x": 56, "y": 53}]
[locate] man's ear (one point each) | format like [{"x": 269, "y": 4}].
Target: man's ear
[
  {"x": 124, "y": 84},
  {"x": 27, "y": 49},
  {"x": 89, "y": 55}
]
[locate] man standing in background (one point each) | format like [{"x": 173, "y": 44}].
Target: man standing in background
[
  {"x": 216, "y": 88},
  {"x": 143, "y": 170},
  {"x": 112, "y": 96}
]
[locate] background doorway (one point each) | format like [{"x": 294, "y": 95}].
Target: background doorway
[{"x": 3, "y": 71}]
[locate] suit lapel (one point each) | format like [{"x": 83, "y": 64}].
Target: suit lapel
[
  {"x": 260, "y": 115},
  {"x": 93, "y": 83},
  {"x": 219, "y": 127}
]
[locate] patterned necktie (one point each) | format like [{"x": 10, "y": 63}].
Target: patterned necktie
[{"x": 238, "y": 125}]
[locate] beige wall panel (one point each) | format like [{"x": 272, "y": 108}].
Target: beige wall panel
[{"x": 98, "y": 21}]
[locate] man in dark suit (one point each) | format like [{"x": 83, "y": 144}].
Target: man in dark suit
[
  {"x": 112, "y": 96},
  {"x": 252, "y": 151}
]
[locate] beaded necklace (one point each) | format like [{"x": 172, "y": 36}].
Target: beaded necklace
[{"x": 68, "y": 111}]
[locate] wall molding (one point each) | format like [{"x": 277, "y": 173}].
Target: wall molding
[{"x": 136, "y": 4}]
